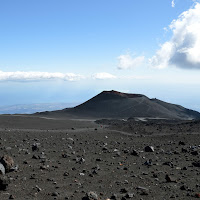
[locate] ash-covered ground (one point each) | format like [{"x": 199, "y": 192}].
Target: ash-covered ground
[{"x": 110, "y": 159}]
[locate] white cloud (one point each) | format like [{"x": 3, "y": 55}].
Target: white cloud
[
  {"x": 103, "y": 75},
  {"x": 183, "y": 49},
  {"x": 126, "y": 61},
  {"x": 173, "y": 3},
  {"x": 37, "y": 76},
  {"x": 44, "y": 76}
]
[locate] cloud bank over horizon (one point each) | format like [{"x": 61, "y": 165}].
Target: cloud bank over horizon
[
  {"x": 182, "y": 50},
  {"x": 22, "y": 76},
  {"x": 38, "y": 76}
]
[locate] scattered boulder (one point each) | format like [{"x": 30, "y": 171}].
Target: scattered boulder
[
  {"x": 134, "y": 152},
  {"x": 54, "y": 194},
  {"x": 149, "y": 149},
  {"x": 2, "y": 169},
  {"x": 130, "y": 195},
  {"x": 80, "y": 160},
  {"x": 169, "y": 179},
  {"x": 181, "y": 143},
  {"x": 66, "y": 174},
  {"x": 35, "y": 147},
  {"x": 11, "y": 197},
  {"x": 4, "y": 181},
  {"x": 143, "y": 190},
  {"x": 90, "y": 196},
  {"x": 196, "y": 163},
  {"x": 183, "y": 187},
  {"x": 123, "y": 190},
  {"x": 194, "y": 153},
  {"x": 7, "y": 162},
  {"x": 184, "y": 150},
  {"x": 114, "y": 197},
  {"x": 148, "y": 162},
  {"x": 35, "y": 157},
  {"x": 184, "y": 168},
  {"x": 168, "y": 164}
]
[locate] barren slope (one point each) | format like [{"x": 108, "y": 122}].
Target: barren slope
[{"x": 113, "y": 104}]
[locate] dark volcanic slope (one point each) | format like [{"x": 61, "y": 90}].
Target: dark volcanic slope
[
  {"x": 57, "y": 164},
  {"x": 113, "y": 104}
]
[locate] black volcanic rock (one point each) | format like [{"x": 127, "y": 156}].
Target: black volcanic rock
[{"x": 113, "y": 104}]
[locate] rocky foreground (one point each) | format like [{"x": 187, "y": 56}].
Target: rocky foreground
[{"x": 94, "y": 162}]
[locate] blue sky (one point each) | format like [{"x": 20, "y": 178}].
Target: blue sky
[{"x": 68, "y": 51}]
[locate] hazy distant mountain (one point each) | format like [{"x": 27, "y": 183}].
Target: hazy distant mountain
[
  {"x": 32, "y": 108},
  {"x": 113, "y": 104}
]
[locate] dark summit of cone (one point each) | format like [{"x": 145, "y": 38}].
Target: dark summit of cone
[
  {"x": 114, "y": 104},
  {"x": 120, "y": 94},
  {"x": 111, "y": 95}
]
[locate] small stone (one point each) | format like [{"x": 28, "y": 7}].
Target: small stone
[
  {"x": 194, "y": 153},
  {"x": 34, "y": 157},
  {"x": 196, "y": 163},
  {"x": 134, "y": 152},
  {"x": 91, "y": 196},
  {"x": 123, "y": 190},
  {"x": 148, "y": 162},
  {"x": 143, "y": 190},
  {"x": 64, "y": 155},
  {"x": 118, "y": 154},
  {"x": 66, "y": 197},
  {"x": 126, "y": 151},
  {"x": 66, "y": 174},
  {"x": 4, "y": 181},
  {"x": 80, "y": 160},
  {"x": 168, "y": 164},
  {"x": 38, "y": 188},
  {"x": 35, "y": 147},
  {"x": 114, "y": 197},
  {"x": 71, "y": 139},
  {"x": 149, "y": 149},
  {"x": 54, "y": 194},
  {"x": 43, "y": 167},
  {"x": 11, "y": 197},
  {"x": 184, "y": 168},
  {"x": 170, "y": 178},
  {"x": 130, "y": 195},
  {"x": 181, "y": 143},
  {"x": 183, "y": 187},
  {"x": 184, "y": 150}
]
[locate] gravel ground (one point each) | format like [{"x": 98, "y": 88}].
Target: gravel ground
[{"x": 74, "y": 159}]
